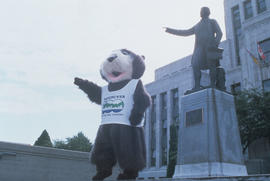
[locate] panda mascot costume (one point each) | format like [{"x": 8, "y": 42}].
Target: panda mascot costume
[{"x": 120, "y": 137}]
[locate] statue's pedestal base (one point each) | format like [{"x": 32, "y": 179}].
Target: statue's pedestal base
[
  {"x": 209, "y": 142},
  {"x": 200, "y": 170}
]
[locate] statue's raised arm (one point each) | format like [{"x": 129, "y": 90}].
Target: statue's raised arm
[{"x": 187, "y": 32}]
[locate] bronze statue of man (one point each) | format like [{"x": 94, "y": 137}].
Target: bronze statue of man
[{"x": 206, "y": 53}]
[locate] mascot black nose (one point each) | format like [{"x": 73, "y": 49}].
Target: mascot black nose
[{"x": 111, "y": 58}]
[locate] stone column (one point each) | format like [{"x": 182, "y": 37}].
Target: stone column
[
  {"x": 242, "y": 12},
  {"x": 254, "y": 7},
  {"x": 169, "y": 120},
  {"x": 267, "y": 4},
  {"x": 158, "y": 133},
  {"x": 147, "y": 137}
]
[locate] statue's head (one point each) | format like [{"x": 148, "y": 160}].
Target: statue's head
[{"x": 205, "y": 12}]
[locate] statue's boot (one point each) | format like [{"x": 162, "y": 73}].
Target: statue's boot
[
  {"x": 220, "y": 83},
  {"x": 213, "y": 77}
]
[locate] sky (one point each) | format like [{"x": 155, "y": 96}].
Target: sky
[{"x": 44, "y": 44}]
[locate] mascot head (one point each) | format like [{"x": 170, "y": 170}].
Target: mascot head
[{"x": 122, "y": 65}]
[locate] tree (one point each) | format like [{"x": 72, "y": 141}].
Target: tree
[
  {"x": 253, "y": 112},
  {"x": 172, "y": 151},
  {"x": 78, "y": 143},
  {"x": 44, "y": 140},
  {"x": 60, "y": 144}
]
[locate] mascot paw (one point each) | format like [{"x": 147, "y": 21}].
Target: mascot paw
[
  {"x": 78, "y": 81},
  {"x": 135, "y": 118}
]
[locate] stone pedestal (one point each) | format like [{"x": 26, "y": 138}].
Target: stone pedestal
[{"x": 209, "y": 142}]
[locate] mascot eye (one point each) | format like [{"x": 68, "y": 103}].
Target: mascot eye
[{"x": 125, "y": 52}]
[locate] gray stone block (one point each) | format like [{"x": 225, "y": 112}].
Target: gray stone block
[{"x": 210, "y": 145}]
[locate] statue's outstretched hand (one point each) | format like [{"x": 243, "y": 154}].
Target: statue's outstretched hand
[{"x": 165, "y": 28}]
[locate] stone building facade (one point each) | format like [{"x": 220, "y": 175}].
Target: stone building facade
[{"x": 247, "y": 27}]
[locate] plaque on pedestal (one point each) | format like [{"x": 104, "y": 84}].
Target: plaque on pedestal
[{"x": 209, "y": 141}]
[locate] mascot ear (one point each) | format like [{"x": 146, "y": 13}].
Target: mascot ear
[
  {"x": 138, "y": 67},
  {"x": 143, "y": 57}
]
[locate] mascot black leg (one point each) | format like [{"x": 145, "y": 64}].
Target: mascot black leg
[
  {"x": 102, "y": 154},
  {"x": 102, "y": 173},
  {"x": 104, "y": 168},
  {"x": 130, "y": 157}
]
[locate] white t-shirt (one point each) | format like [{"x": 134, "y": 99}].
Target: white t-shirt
[{"x": 117, "y": 105}]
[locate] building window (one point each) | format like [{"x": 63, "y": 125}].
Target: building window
[
  {"x": 236, "y": 88},
  {"x": 237, "y": 31},
  {"x": 153, "y": 132},
  {"x": 265, "y": 46},
  {"x": 248, "y": 9},
  {"x": 261, "y": 6},
  {"x": 163, "y": 129},
  {"x": 266, "y": 85}
]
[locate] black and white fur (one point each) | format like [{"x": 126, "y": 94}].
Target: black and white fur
[{"x": 115, "y": 142}]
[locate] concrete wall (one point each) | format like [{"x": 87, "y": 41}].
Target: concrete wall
[{"x": 31, "y": 163}]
